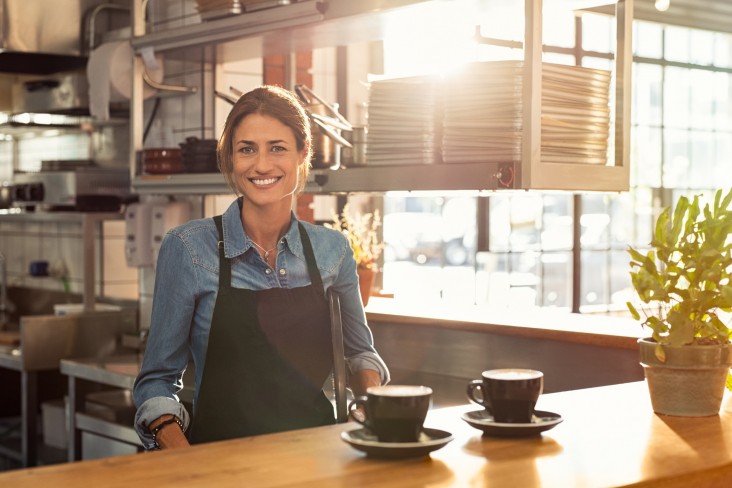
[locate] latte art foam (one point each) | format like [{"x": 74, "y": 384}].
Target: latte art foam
[
  {"x": 399, "y": 390},
  {"x": 512, "y": 374}
]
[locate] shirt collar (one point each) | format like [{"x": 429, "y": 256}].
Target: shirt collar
[{"x": 236, "y": 241}]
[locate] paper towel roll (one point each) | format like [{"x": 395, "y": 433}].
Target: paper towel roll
[{"x": 109, "y": 71}]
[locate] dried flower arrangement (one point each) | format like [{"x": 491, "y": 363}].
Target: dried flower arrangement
[{"x": 361, "y": 230}]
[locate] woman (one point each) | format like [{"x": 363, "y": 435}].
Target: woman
[{"x": 244, "y": 294}]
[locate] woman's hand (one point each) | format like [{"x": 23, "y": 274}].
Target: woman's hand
[{"x": 359, "y": 382}]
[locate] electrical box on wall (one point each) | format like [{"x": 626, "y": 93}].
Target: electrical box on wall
[
  {"x": 138, "y": 248},
  {"x": 165, "y": 216}
]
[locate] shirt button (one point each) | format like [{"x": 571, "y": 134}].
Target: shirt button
[
  {"x": 268, "y": 271},
  {"x": 282, "y": 271}
]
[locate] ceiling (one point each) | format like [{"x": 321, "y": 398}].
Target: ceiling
[{"x": 715, "y": 15}]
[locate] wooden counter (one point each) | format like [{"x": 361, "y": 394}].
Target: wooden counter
[{"x": 610, "y": 437}]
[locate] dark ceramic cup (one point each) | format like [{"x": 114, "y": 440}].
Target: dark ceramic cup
[
  {"x": 509, "y": 395},
  {"x": 394, "y": 413}
]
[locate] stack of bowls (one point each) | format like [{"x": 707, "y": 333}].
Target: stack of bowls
[{"x": 199, "y": 155}]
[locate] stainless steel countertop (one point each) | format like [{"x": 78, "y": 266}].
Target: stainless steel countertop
[{"x": 119, "y": 371}]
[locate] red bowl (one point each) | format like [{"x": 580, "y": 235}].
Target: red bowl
[
  {"x": 167, "y": 153},
  {"x": 163, "y": 166}
]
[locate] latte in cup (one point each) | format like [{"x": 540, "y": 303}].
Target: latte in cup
[
  {"x": 394, "y": 413},
  {"x": 509, "y": 395}
]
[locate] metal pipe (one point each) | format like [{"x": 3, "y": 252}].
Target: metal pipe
[{"x": 160, "y": 86}]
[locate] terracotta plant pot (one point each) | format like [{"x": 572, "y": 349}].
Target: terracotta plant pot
[
  {"x": 365, "y": 282},
  {"x": 691, "y": 382}
]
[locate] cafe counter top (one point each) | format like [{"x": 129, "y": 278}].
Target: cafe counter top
[{"x": 609, "y": 437}]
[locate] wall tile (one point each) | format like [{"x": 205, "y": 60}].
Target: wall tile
[{"x": 61, "y": 244}]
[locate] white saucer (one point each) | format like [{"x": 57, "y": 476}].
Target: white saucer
[
  {"x": 364, "y": 440},
  {"x": 483, "y": 420}
]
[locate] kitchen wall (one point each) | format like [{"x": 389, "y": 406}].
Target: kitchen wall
[{"x": 61, "y": 244}]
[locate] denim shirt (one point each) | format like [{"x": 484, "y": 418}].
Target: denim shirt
[{"x": 186, "y": 285}]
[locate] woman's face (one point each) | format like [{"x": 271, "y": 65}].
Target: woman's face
[{"x": 266, "y": 160}]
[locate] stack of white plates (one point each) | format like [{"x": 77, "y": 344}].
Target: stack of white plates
[
  {"x": 401, "y": 121},
  {"x": 575, "y": 114},
  {"x": 482, "y": 114},
  {"x": 482, "y": 119}
]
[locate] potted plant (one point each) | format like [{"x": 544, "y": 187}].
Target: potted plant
[
  {"x": 684, "y": 282},
  {"x": 361, "y": 230}
]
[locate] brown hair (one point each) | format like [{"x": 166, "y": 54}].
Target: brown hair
[{"x": 272, "y": 101}]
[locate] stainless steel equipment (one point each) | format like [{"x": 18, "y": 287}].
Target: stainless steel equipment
[
  {"x": 63, "y": 93},
  {"x": 84, "y": 189},
  {"x": 326, "y": 125}
]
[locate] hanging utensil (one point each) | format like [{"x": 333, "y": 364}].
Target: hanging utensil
[
  {"x": 307, "y": 96},
  {"x": 226, "y": 97},
  {"x": 326, "y": 125}
]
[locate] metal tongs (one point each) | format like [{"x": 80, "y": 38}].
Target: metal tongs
[
  {"x": 228, "y": 97},
  {"x": 326, "y": 123}
]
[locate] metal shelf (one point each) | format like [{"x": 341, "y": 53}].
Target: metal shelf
[
  {"x": 97, "y": 425},
  {"x": 17, "y": 214},
  {"x": 178, "y": 184},
  {"x": 233, "y": 27},
  {"x": 303, "y": 25},
  {"x": 444, "y": 177},
  {"x": 374, "y": 179},
  {"x": 11, "y": 449},
  {"x": 311, "y": 24}
]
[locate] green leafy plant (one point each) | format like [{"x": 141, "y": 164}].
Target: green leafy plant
[
  {"x": 361, "y": 230},
  {"x": 684, "y": 280}
]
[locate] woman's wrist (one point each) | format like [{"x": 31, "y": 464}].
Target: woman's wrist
[
  {"x": 361, "y": 380},
  {"x": 161, "y": 423}
]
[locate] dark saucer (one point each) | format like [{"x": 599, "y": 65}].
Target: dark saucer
[
  {"x": 482, "y": 420},
  {"x": 364, "y": 440}
]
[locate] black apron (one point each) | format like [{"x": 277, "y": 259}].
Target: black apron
[{"x": 269, "y": 354}]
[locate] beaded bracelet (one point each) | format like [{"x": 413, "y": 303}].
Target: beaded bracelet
[{"x": 160, "y": 426}]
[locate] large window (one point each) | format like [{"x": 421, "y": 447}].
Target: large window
[{"x": 561, "y": 249}]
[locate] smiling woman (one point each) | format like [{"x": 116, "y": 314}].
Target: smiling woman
[
  {"x": 266, "y": 163},
  {"x": 244, "y": 294},
  {"x": 276, "y": 104}
]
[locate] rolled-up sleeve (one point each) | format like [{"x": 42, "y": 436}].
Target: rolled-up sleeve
[
  {"x": 358, "y": 341},
  {"x": 166, "y": 357},
  {"x": 152, "y": 409},
  {"x": 369, "y": 360}
]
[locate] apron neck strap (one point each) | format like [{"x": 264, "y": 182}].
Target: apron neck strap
[
  {"x": 224, "y": 264},
  {"x": 310, "y": 259}
]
